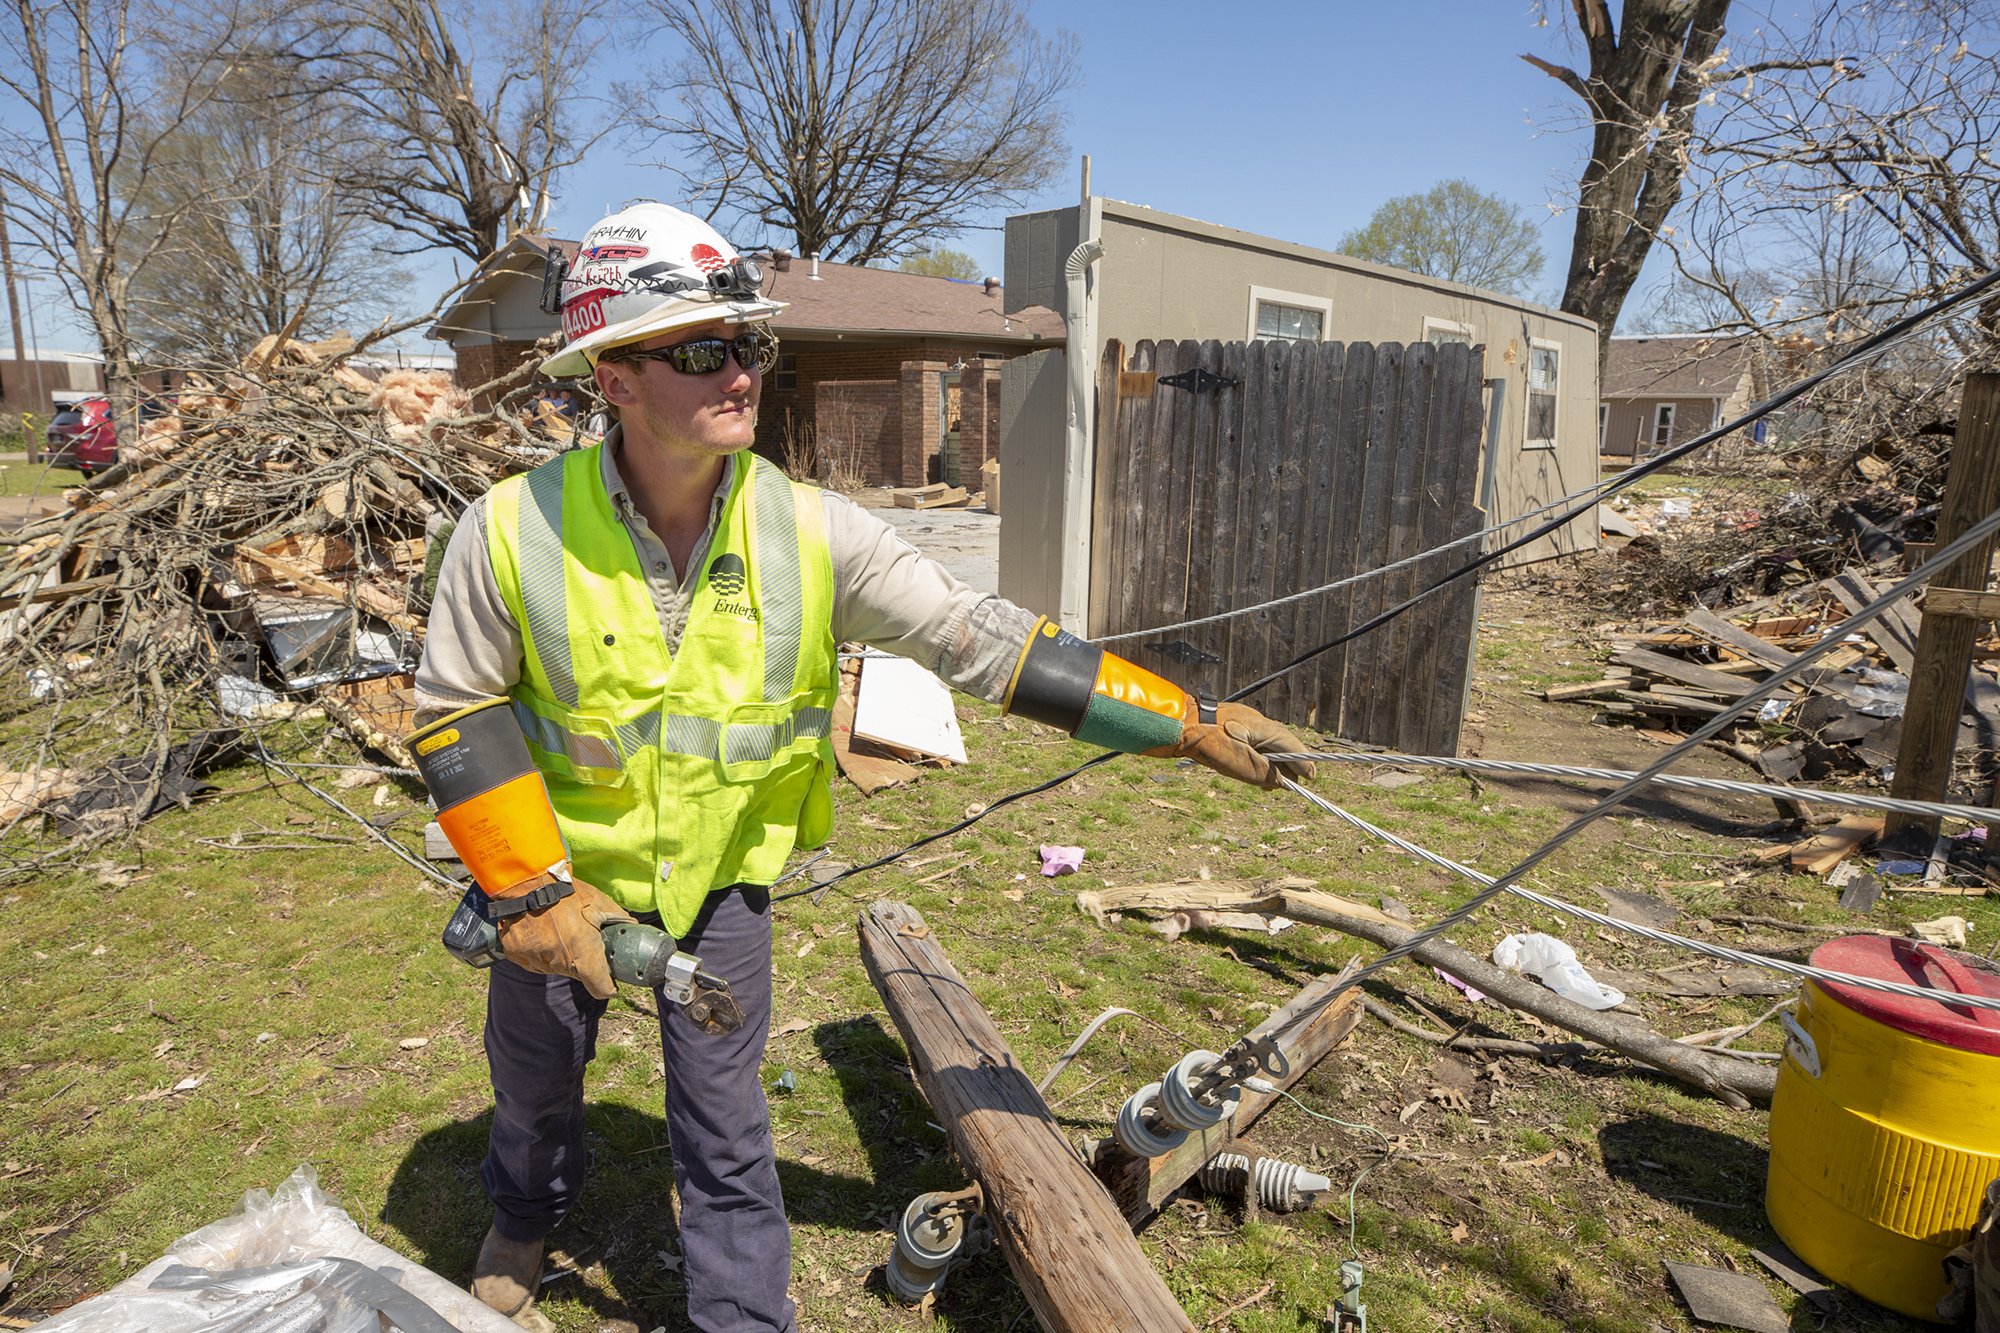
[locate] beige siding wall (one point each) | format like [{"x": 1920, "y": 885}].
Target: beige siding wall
[
  {"x": 1628, "y": 426},
  {"x": 1167, "y": 277}
]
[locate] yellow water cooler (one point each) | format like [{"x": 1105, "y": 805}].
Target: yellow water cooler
[{"x": 1885, "y": 1126}]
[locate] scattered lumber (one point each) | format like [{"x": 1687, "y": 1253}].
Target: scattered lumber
[
  {"x": 1141, "y": 1186},
  {"x": 1069, "y": 1247},
  {"x": 937, "y": 495}
]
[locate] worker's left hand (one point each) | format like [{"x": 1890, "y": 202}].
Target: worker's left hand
[{"x": 1235, "y": 744}]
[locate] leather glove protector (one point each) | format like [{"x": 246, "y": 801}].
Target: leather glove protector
[
  {"x": 1105, "y": 700},
  {"x": 563, "y": 939}
]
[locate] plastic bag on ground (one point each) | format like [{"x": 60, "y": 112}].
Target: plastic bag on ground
[
  {"x": 285, "y": 1261},
  {"x": 1554, "y": 964}
]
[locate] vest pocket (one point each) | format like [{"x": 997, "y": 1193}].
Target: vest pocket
[{"x": 573, "y": 745}]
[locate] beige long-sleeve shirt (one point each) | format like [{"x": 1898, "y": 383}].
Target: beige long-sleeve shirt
[{"x": 886, "y": 594}]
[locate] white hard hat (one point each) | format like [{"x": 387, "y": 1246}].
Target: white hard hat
[{"x": 646, "y": 269}]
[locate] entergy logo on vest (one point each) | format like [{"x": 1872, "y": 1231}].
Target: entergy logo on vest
[{"x": 729, "y": 578}]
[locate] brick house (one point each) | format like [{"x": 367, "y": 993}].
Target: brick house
[
  {"x": 890, "y": 378},
  {"x": 1664, "y": 389}
]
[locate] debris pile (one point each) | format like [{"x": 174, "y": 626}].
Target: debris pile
[
  {"x": 1839, "y": 720},
  {"x": 266, "y": 548}
]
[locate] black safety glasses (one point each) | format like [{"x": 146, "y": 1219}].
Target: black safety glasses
[{"x": 753, "y": 350}]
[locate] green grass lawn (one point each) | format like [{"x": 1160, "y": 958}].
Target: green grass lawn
[
  {"x": 19, "y": 477},
  {"x": 254, "y": 983}
]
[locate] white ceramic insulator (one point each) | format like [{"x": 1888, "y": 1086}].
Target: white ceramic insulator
[{"x": 1283, "y": 1187}]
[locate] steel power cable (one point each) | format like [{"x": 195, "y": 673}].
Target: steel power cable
[{"x": 1861, "y": 351}]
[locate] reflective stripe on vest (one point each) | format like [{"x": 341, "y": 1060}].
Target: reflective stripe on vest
[{"x": 672, "y": 773}]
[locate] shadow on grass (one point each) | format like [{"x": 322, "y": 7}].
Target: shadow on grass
[
  {"x": 908, "y": 1157},
  {"x": 626, "y": 1218}
]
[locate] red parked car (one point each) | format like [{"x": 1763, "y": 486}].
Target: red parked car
[{"x": 82, "y": 436}]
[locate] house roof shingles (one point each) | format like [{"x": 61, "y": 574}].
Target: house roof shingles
[{"x": 1676, "y": 367}]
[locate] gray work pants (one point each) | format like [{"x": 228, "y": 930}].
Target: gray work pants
[{"x": 542, "y": 1031}]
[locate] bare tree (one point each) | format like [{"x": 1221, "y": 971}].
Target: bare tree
[
  {"x": 264, "y": 240},
  {"x": 1642, "y": 85},
  {"x": 466, "y": 114},
  {"x": 863, "y": 127},
  {"x": 102, "y": 100},
  {"x": 1869, "y": 176}
]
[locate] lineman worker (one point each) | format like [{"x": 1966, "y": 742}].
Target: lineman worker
[{"x": 662, "y": 611}]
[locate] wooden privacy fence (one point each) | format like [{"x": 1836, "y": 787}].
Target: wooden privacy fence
[{"x": 1285, "y": 466}]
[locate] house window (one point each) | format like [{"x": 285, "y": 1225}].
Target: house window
[
  {"x": 786, "y": 375},
  {"x": 1603, "y": 421},
  {"x": 1293, "y": 316},
  {"x": 1544, "y": 374},
  {"x": 1663, "y": 425},
  {"x": 1444, "y": 332}
]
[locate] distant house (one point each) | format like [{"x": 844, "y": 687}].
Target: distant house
[
  {"x": 43, "y": 376},
  {"x": 1662, "y": 389},
  {"x": 869, "y": 370}
]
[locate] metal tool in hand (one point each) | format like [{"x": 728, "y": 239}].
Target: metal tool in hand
[{"x": 639, "y": 955}]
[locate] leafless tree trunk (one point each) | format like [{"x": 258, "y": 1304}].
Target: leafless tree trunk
[
  {"x": 862, "y": 129},
  {"x": 100, "y": 101},
  {"x": 1642, "y": 86},
  {"x": 463, "y": 144}
]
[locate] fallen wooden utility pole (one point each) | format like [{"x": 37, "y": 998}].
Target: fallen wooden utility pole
[
  {"x": 1141, "y": 1185},
  {"x": 1071, "y": 1251}
]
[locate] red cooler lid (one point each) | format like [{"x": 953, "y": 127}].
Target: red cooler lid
[{"x": 1943, "y": 970}]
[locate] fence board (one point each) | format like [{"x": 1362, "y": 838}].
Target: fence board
[
  {"x": 1325, "y": 461},
  {"x": 1392, "y": 648},
  {"x": 1316, "y": 565}
]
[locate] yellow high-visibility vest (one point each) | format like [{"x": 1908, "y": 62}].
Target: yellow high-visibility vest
[{"x": 672, "y": 773}]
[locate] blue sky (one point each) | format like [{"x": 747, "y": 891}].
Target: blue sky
[{"x": 1295, "y": 121}]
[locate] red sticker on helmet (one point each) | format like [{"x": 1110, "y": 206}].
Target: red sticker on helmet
[
  {"x": 584, "y": 314},
  {"x": 707, "y": 258}
]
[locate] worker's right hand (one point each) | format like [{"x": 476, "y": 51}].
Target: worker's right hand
[{"x": 565, "y": 939}]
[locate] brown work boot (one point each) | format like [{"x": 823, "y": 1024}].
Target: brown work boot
[{"x": 507, "y": 1272}]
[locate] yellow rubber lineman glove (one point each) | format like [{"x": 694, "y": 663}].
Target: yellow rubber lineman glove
[{"x": 1105, "y": 700}]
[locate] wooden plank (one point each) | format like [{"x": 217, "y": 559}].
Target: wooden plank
[
  {"x": 1742, "y": 640},
  {"x": 1070, "y": 1248},
  {"x": 1109, "y": 502},
  {"x": 1687, "y": 673},
  {"x": 1205, "y": 434},
  {"x": 1263, "y": 370},
  {"x": 1218, "y": 564},
  {"x": 1943, "y": 666},
  {"x": 359, "y": 594},
  {"x": 1344, "y": 538},
  {"x": 1165, "y": 602},
  {"x": 1961, "y": 602},
  {"x": 1377, "y": 481},
  {"x": 1141, "y": 1186},
  {"x": 1830, "y": 846},
  {"x": 1892, "y": 631},
  {"x": 1590, "y": 689},
  {"x": 935, "y": 496},
  {"x": 1314, "y": 539},
  {"x": 1289, "y": 701},
  {"x": 1452, "y": 679},
  {"x": 1396, "y": 643}
]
